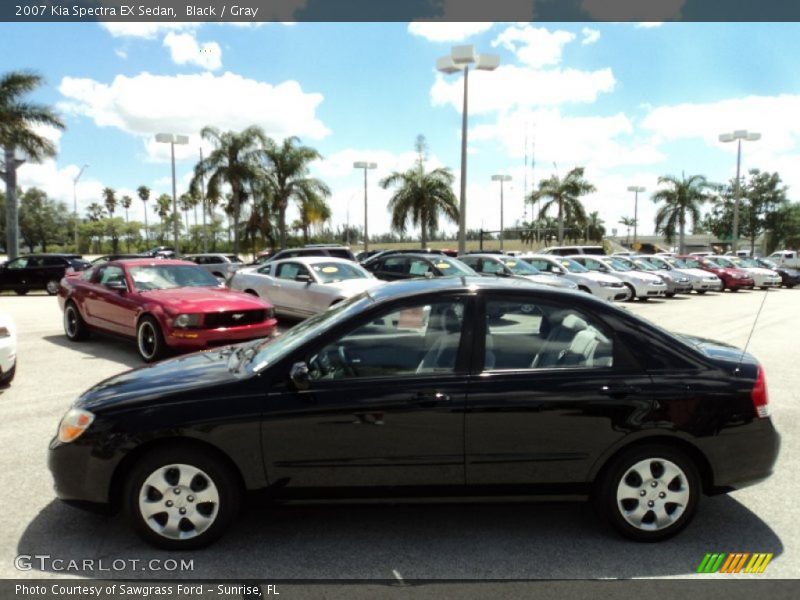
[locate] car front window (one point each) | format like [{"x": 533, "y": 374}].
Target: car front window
[{"x": 162, "y": 277}]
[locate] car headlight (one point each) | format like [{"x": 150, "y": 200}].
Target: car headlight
[
  {"x": 4, "y": 332},
  {"x": 184, "y": 321},
  {"x": 73, "y": 424},
  {"x": 608, "y": 283}
]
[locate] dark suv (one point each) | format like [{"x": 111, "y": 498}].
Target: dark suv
[
  {"x": 38, "y": 272},
  {"x": 334, "y": 251}
]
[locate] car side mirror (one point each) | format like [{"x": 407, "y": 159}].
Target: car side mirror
[
  {"x": 299, "y": 375},
  {"x": 119, "y": 286},
  {"x": 558, "y": 270},
  {"x": 303, "y": 277}
]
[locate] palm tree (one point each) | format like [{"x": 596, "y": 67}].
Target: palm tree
[
  {"x": 110, "y": 200},
  {"x": 162, "y": 207},
  {"x": 144, "y": 195},
  {"x": 595, "y": 227},
  {"x": 18, "y": 119},
  {"x": 682, "y": 199},
  {"x": 95, "y": 211},
  {"x": 313, "y": 211},
  {"x": 627, "y": 222},
  {"x": 126, "y": 202},
  {"x": 565, "y": 194},
  {"x": 234, "y": 161},
  {"x": 421, "y": 196},
  {"x": 286, "y": 177}
]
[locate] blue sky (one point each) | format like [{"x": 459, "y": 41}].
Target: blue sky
[{"x": 628, "y": 101}]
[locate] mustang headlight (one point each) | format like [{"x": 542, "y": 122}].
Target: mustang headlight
[
  {"x": 184, "y": 321},
  {"x": 73, "y": 424}
]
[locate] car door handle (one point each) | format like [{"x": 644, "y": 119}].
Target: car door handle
[
  {"x": 619, "y": 390},
  {"x": 429, "y": 399}
]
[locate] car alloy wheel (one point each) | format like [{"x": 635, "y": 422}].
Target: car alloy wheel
[
  {"x": 650, "y": 493},
  {"x": 52, "y": 287},
  {"x": 181, "y": 497},
  {"x": 149, "y": 340},
  {"x": 74, "y": 326}
]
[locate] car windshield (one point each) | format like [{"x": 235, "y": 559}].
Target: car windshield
[
  {"x": 680, "y": 264},
  {"x": 331, "y": 272},
  {"x": 163, "y": 277},
  {"x": 269, "y": 350},
  {"x": 450, "y": 266},
  {"x": 725, "y": 262},
  {"x": 618, "y": 265},
  {"x": 707, "y": 262},
  {"x": 644, "y": 265},
  {"x": 768, "y": 263},
  {"x": 572, "y": 266},
  {"x": 519, "y": 267},
  {"x": 744, "y": 262}
]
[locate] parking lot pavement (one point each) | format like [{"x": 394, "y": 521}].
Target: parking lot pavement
[{"x": 412, "y": 541}]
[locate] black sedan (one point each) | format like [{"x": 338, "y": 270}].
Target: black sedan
[
  {"x": 38, "y": 272},
  {"x": 448, "y": 387},
  {"x": 404, "y": 265}
]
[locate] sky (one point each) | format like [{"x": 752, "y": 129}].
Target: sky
[{"x": 628, "y": 101}]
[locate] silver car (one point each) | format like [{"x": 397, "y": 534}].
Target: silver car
[
  {"x": 306, "y": 285},
  {"x": 677, "y": 283},
  {"x": 501, "y": 265},
  {"x": 601, "y": 285},
  {"x": 641, "y": 285},
  {"x": 702, "y": 281},
  {"x": 221, "y": 266}
]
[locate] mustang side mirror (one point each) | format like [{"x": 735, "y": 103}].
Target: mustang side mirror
[
  {"x": 299, "y": 375},
  {"x": 303, "y": 277},
  {"x": 117, "y": 285}
]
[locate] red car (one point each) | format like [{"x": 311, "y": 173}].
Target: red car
[
  {"x": 732, "y": 279},
  {"x": 162, "y": 304}
]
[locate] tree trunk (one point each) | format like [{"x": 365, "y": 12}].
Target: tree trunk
[
  {"x": 12, "y": 224},
  {"x": 560, "y": 222},
  {"x": 681, "y": 244},
  {"x": 423, "y": 238},
  {"x": 282, "y": 224}
]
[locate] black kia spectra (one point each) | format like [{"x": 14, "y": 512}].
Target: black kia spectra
[{"x": 431, "y": 387}]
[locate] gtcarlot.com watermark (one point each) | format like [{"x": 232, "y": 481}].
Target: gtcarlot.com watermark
[{"x": 46, "y": 562}]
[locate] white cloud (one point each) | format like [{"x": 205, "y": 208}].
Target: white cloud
[
  {"x": 534, "y": 46},
  {"x": 147, "y": 104},
  {"x": 121, "y": 53},
  {"x": 149, "y": 30},
  {"x": 590, "y": 36},
  {"x": 511, "y": 86},
  {"x": 185, "y": 49},
  {"x": 435, "y": 31}
]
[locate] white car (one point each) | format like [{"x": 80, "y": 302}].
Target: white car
[
  {"x": 8, "y": 348},
  {"x": 762, "y": 278},
  {"x": 640, "y": 284},
  {"x": 702, "y": 281},
  {"x": 306, "y": 285},
  {"x": 607, "y": 287}
]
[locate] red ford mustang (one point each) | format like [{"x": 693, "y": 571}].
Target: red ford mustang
[{"x": 162, "y": 304}]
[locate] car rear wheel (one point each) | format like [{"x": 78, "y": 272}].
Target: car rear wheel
[
  {"x": 181, "y": 497},
  {"x": 734, "y": 289},
  {"x": 52, "y": 287},
  {"x": 8, "y": 376},
  {"x": 649, "y": 493},
  {"x": 150, "y": 340},
  {"x": 670, "y": 294},
  {"x": 701, "y": 292},
  {"x": 21, "y": 292},
  {"x": 74, "y": 326},
  {"x": 251, "y": 292}
]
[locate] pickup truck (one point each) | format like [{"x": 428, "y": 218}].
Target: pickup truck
[{"x": 786, "y": 258}]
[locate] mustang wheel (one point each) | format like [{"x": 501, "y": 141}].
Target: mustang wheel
[
  {"x": 181, "y": 498},
  {"x": 74, "y": 325},
  {"x": 650, "y": 493},
  {"x": 52, "y": 287},
  {"x": 150, "y": 340}
]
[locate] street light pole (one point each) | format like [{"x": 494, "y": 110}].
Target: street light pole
[
  {"x": 172, "y": 139},
  {"x": 502, "y": 179},
  {"x": 458, "y": 61},
  {"x": 366, "y": 166},
  {"x": 738, "y": 136},
  {"x": 635, "y": 189},
  {"x": 75, "y": 201}
]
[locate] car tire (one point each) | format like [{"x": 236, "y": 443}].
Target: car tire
[
  {"x": 252, "y": 293},
  {"x": 733, "y": 289},
  {"x": 21, "y": 292},
  {"x": 75, "y": 327},
  {"x": 149, "y": 340},
  {"x": 636, "y": 489},
  {"x": 181, "y": 497},
  {"x": 8, "y": 376},
  {"x": 51, "y": 287},
  {"x": 583, "y": 288},
  {"x": 670, "y": 295},
  {"x": 701, "y": 292},
  {"x": 632, "y": 291}
]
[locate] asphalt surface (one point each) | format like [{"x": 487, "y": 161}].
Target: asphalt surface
[{"x": 394, "y": 541}]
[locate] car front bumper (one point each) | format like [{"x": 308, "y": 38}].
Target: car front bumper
[
  {"x": 8, "y": 354},
  {"x": 198, "y": 339},
  {"x": 80, "y": 474}
]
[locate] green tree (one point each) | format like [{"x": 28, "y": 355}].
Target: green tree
[
  {"x": 95, "y": 212},
  {"x": 785, "y": 233},
  {"x": 162, "y": 207},
  {"x": 627, "y": 223},
  {"x": 19, "y": 119},
  {"x": 234, "y": 161},
  {"x": 595, "y": 227},
  {"x": 110, "y": 200},
  {"x": 565, "y": 195},
  {"x": 286, "y": 178},
  {"x": 114, "y": 228},
  {"x": 144, "y": 195},
  {"x": 681, "y": 200},
  {"x": 421, "y": 196}
]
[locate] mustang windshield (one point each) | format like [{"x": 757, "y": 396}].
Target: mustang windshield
[
  {"x": 331, "y": 272},
  {"x": 164, "y": 277}
]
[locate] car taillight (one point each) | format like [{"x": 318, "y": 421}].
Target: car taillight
[{"x": 759, "y": 394}]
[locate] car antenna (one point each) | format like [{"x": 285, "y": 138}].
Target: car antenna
[{"x": 752, "y": 329}]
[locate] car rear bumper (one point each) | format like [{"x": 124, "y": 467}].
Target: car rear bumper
[
  {"x": 197, "y": 339},
  {"x": 742, "y": 456}
]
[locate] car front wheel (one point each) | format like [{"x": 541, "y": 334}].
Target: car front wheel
[
  {"x": 650, "y": 493},
  {"x": 181, "y": 498},
  {"x": 150, "y": 340}
]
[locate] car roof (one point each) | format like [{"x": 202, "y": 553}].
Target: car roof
[
  {"x": 141, "y": 262},
  {"x": 313, "y": 259}
]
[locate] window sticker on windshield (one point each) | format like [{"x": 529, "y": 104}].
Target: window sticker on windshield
[
  {"x": 442, "y": 265},
  {"x": 565, "y": 263},
  {"x": 330, "y": 270},
  {"x": 511, "y": 263}
]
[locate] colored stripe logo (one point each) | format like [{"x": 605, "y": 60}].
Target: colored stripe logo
[{"x": 735, "y": 562}]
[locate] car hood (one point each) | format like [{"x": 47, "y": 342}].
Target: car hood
[
  {"x": 205, "y": 299},
  {"x": 153, "y": 383},
  {"x": 719, "y": 351},
  {"x": 759, "y": 271},
  {"x": 599, "y": 277},
  {"x": 551, "y": 280},
  {"x": 351, "y": 287},
  {"x": 698, "y": 273}
]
